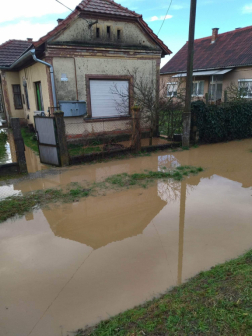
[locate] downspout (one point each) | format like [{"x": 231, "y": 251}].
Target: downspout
[{"x": 51, "y": 74}]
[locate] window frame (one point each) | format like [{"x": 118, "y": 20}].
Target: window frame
[
  {"x": 112, "y": 78},
  {"x": 19, "y": 95},
  {"x": 26, "y": 95},
  {"x": 173, "y": 95},
  {"x": 197, "y": 82},
  {"x": 245, "y": 80}
]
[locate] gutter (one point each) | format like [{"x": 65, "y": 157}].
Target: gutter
[
  {"x": 32, "y": 51},
  {"x": 28, "y": 55}
]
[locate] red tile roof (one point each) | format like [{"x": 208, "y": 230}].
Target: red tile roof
[
  {"x": 11, "y": 50},
  {"x": 108, "y": 7},
  {"x": 231, "y": 49}
]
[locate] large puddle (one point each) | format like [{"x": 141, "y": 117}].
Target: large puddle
[{"x": 70, "y": 265}]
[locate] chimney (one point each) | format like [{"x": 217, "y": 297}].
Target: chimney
[
  {"x": 29, "y": 39},
  {"x": 59, "y": 21},
  {"x": 214, "y": 34}
]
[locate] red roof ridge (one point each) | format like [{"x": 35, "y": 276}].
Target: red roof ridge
[
  {"x": 84, "y": 3},
  {"x": 225, "y": 33}
]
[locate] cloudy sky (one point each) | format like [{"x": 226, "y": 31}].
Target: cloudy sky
[{"x": 20, "y": 19}]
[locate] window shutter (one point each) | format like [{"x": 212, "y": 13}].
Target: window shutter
[{"x": 109, "y": 98}]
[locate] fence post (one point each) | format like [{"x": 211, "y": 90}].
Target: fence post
[
  {"x": 19, "y": 145},
  {"x": 136, "y": 130},
  {"x": 61, "y": 137}
]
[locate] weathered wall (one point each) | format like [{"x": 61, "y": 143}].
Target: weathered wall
[
  {"x": 97, "y": 66},
  {"x": 10, "y": 79},
  {"x": 66, "y": 90},
  {"x": 32, "y": 74},
  {"x": 131, "y": 34}
]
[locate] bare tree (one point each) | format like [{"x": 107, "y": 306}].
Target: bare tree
[
  {"x": 156, "y": 100},
  {"x": 237, "y": 92}
]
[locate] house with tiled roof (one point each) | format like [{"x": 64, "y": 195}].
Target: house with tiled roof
[
  {"x": 99, "y": 45},
  {"x": 219, "y": 61}
]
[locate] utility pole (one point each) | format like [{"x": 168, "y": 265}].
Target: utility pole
[{"x": 187, "y": 111}]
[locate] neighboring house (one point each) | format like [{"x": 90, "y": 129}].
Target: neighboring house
[
  {"x": 219, "y": 61},
  {"x": 96, "y": 47}
]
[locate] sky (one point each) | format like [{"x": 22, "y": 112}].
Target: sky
[{"x": 20, "y": 19}]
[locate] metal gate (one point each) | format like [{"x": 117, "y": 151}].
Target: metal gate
[{"x": 47, "y": 140}]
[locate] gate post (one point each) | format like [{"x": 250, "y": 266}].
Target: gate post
[
  {"x": 61, "y": 138},
  {"x": 136, "y": 130},
  {"x": 19, "y": 145}
]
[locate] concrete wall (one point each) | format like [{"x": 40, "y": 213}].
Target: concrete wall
[
  {"x": 131, "y": 34},
  {"x": 32, "y": 74}
]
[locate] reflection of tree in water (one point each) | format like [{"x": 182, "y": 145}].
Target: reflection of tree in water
[
  {"x": 168, "y": 161},
  {"x": 170, "y": 191}
]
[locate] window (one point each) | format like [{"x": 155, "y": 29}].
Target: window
[
  {"x": 118, "y": 34},
  {"x": 108, "y": 32},
  {"x": 17, "y": 97},
  {"x": 109, "y": 98},
  {"x": 97, "y": 32},
  {"x": 172, "y": 89},
  {"x": 245, "y": 88},
  {"x": 215, "y": 88},
  {"x": 26, "y": 95},
  {"x": 198, "y": 88},
  {"x": 39, "y": 98}
]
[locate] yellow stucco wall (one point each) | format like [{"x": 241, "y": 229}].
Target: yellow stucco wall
[
  {"x": 32, "y": 74},
  {"x": 234, "y": 75},
  {"x": 12, "y": 78}
]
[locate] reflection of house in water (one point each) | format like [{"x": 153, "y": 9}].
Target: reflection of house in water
[{"x": 98, "y": 221}]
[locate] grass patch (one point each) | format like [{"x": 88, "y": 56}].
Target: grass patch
[
  {"x": 215, "y": 302},
  {"x": 18, "y": 205},
  {"x": 30, "y": 139},
  {"x": 77, "y": 149},
  {"x": 3, "y": 141}
]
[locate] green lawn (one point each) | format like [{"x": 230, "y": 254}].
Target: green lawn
[
  {"x": 30, "y": 139},
  {"x": 216, "y": 302}
]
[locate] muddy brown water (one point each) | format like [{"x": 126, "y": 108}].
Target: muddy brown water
[{"x": 70, "y": 265}]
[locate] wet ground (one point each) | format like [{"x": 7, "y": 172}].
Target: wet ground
[
  {"x": 5, "y": 151},
  {"x": 69, "y": 265}
]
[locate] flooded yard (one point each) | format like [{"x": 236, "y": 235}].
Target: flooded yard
[{"x": 68, "y": 265}]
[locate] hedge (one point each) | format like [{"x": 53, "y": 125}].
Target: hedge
[{"x": 216, "y": 123}]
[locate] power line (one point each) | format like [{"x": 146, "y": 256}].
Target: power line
[
  {"x": 90, "y": 24},
  {"x": 164, "y": 17},
  {"x": 64, "y": 5}
]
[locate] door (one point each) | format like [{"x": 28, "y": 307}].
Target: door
[
  {"x": 39, "y": 97},
  {"x": 47, "y": 143}
]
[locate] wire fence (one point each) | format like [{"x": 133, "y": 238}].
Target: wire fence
[{"x": 170, "y": 124}]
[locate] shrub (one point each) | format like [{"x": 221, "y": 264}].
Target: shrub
[{"x": 229, "y": 121}]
